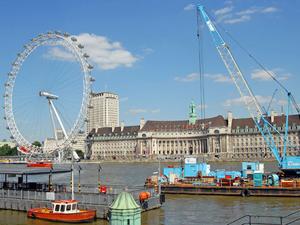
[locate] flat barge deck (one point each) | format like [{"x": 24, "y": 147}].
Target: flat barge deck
[{"x": 231, "y": 190}]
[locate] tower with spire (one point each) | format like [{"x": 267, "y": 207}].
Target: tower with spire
[{"x": 192, "y": 114}]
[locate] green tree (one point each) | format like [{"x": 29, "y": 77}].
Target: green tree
[
  {"x": 6, "y": 150},
  {"x": 79, "y": 153},
  {"x": 37, "y": 143}
]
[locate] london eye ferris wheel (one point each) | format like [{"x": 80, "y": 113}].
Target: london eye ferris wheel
[{"x": 47, "y": 93}]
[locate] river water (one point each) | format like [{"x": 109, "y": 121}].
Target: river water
[{"x": 178, "y": 209}]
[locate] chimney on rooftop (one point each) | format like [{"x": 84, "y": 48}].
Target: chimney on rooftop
[
  {"x": 142, "y": 123},
  {"x": 273, "y": 114},
  {"x": 122, "y": 126},
  {"x": 229, "y": 118}
]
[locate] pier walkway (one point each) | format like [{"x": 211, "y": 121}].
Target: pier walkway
[{"x": 24, "y": 200}]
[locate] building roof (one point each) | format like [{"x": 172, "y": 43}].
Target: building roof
[
  {"x": 94, "y": 94},
  {"x": 179, "y": 125},
  {"x": 182, "y": 125},
  {"x": 124, "y": 201},
  {"x": 127, "y": 129},
  {"x": 131, "y": 130},
  {"x": 65, "y": 201},
  {"x": 279, "y": 121}
]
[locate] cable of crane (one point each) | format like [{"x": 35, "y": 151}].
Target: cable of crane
[
  {"x": 201, "y": 67},
  {"x": 270, "y": 103},
  {"x": 271, "y": 74}
]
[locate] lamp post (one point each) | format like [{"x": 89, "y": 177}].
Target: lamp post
[
  {"x": 72, "y": 177},
  {"x": 79, "y": 169},
  {"x": 50, "y": 180},
  {"x": 158, "y": 177},
  {"x": 159, "y": 187},
  {"x": 99, "y": 170}
]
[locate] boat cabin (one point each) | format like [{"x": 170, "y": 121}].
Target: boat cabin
[{"x": 65, "y": 206}]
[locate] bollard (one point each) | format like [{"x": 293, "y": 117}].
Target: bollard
[{"x": 71, "y": 186}]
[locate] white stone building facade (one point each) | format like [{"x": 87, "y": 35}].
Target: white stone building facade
[
  {"x": 114, "y": 143},
  {"x": 214, "y": 138}
]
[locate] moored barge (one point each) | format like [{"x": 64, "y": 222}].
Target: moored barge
[
  {"x": 197, "y": 178},
  {"x": 231, "y": 191}
]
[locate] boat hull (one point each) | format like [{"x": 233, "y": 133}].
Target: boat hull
[
  {"x": 47, "y": 214},
  {"x": 231, "y": 191},
  {"x": 48, "y": 165}
]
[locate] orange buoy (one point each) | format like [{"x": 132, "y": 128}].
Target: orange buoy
[{"x": 144, "y": 196}]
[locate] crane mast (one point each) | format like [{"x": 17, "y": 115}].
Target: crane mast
[{"x": 254, "y": 108}]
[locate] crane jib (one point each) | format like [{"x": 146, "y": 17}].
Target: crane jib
[{"x": 214, "y": 33}]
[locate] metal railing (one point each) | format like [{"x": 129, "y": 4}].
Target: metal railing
[
  {"x": 32, "y": 186},
  {"x": 289, "y": 219},
  {"x": 83, "y": 197}
]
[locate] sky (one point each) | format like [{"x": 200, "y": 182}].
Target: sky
[{"x": 147, "y": 51}]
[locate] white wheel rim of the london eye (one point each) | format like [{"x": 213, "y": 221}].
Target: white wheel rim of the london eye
[{"x": 50, "y": 38}]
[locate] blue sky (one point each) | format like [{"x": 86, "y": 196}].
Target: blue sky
[{"x": 147, "y": 51}]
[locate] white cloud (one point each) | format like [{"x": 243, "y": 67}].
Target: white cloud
[
  {"x": 60, "y": 54},
  {"x": 242, "y": 100},
  {"x": 141, "y": 111},
  {"x": 148, "y": 51},
  {"x": 223, "y": 11},
  {"x": 228, "y": 2},
  {"x": 104, "y": 53},
  {"x": 282, "y": 102},
  {"x": 123, "y": 99},
  {"x": 219, "y": 78},
  {"x": 189, "y": 7},
  {"x": 200, "y": 107},
  {"x": 278, "y": 73},
  {"x": 238, "y": 19},
  {"x": 228, "y": 16},
  {"x": 155, "y": 111},
  {"x": 247, "y": 11},
  {"x": 270, "y": 9},
  {"x": 188, "y": 78},
  {"x": 137, "y": 111}
]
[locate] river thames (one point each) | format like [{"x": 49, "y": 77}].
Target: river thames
[{"x": 178, "y": 209}]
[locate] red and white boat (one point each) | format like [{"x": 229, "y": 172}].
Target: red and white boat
[
  {"x": 23, "y": 149},
  {"x": 63, "y": 211},
  {"x": 40, "y": 164}
]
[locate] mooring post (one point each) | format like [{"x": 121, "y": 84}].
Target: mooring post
[
  {"x": 99, "y": 184},
  {"x": 50, "y": 181},
  {"x": 79, "y": 188}
]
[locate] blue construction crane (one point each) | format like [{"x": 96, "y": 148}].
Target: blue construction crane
[{"x": 290, "y": 165}]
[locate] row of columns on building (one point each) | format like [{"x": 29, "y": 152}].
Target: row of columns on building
[{"x": 187, "y": 146}]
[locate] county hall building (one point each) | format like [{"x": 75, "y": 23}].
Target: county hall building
[{"x": 215, "y": 138}]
